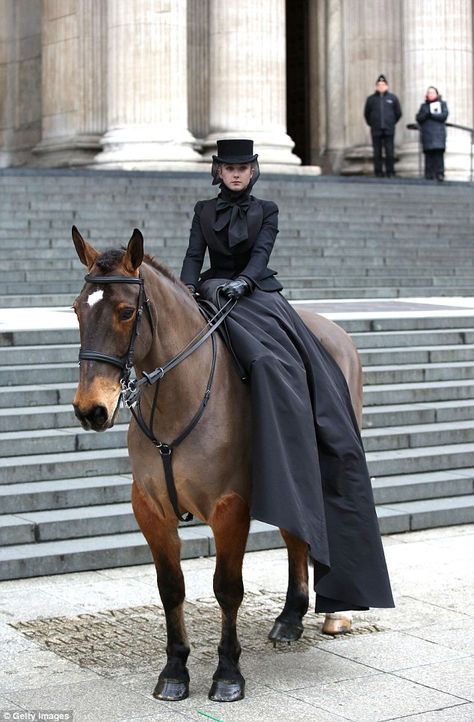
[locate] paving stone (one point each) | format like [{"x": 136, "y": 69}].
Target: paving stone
[
  {"x": 90, "y": 699},
  {"x": 38, "y": 668},
  {"x": 376, "y": 698},
  {"x": 392, "y": 651},
  {"x": 463, "y": 712},
  {"x": 455, "y": 677}
]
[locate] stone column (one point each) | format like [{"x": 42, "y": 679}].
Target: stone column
[
  {"x": 372, "y": 37},
  {"x": 247, "y": 82},
  {"x": 437, "y": 50},
  {"x": 335, "y": 85},
  {"x": 72, "y": 82},
  {"x": 198, "y": 68},
  {"x": 20, "y": 80},
  {"x": 147, "y": 123}
]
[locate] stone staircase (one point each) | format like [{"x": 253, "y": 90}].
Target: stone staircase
[
  {"x": 339, "y": 238},
  {"x": 64, "y": 493}
]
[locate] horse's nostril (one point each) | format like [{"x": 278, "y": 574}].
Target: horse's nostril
[
  {"x": 94, "y": 418},
  {"x": 98, "y": 416}
]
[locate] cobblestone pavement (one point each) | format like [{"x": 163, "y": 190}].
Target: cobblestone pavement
[{"x": 89, "y": 646}]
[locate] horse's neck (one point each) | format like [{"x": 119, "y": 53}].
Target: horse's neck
[{"x": 177, "y": 320}]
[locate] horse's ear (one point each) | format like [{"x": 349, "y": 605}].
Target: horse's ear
[
  {"x": 87, "y": 254},
  {"x": 134, "y": 255}
]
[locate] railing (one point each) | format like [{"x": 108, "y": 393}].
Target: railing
[{"x": 415, "y": 126}]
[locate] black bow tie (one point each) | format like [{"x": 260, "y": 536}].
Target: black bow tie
[{"x": 233, "y": 213}]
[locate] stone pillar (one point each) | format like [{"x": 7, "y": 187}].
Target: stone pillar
[
  {"x": 437, "y": 50},
  {"x": 247, "y": 82},
  {"x": 372, "y": 39},
  {"x": 335, "y": 85},
  {"x": 147, "y": 123},
  {"x": 20, "y": 80},
  {"x": 198, "y": 68},
  {"x": 73, "y": 115}
]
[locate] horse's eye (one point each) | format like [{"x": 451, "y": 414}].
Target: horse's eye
[{"x": 126, "y": 314}]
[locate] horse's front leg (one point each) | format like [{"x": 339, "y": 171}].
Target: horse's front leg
[
  {"x": 230, "y": 525},
  {"x": 288, "y": 625},
  {"x": 165, "y": 545}
]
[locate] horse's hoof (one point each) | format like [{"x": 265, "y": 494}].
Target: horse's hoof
[
  {"x": 171, "y": 690},
  {"x": 226, "y": 691},
  {"x": 337, "y": 624},
  {"x": 285, "y": 632}
]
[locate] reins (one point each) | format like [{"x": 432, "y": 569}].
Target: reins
[{"x": 132, "y": 388}]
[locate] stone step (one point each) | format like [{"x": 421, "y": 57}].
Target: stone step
[
  {"x": 37, "y": 395},
  {"x": 410, "y": 393},
  {"x": 68, "y": 372},
  {"x": 417, "y": 355},
  {"x": 114, "y": 550},
  {"x": 27, "y": 418},
  {"x": 45, "y": 300},
  {"x": 412, "y": 373},
  {"x": 415, "y": 487},
  {"x": 52, "y": 525},
  {"x": 47, "y": 467},
  {"x": 305, "y": 294},
  {"x": 426, "y": 513},
  {"x": 418, "y": 435},
  {"x": 41, "y": 336},
  {"x": 54, "y": 441},
  {"x": 39, "y": 374},
  {"x": 42, "y": 354},
  {"x": 64, "y": 493},
  {"x": 421, "y": 413},
  {"x": 423, "y": 459},
  {"x": 68, "y": 353},
  {"x": 419, "y": 337}
]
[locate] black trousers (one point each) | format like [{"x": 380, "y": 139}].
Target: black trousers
[
  {"x": 434, "y": 164},
  {"x": 383, "y": 141}
]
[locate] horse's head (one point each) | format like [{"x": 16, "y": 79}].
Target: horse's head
[{"x": 107, "y": 311}]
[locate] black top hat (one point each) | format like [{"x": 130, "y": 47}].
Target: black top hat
[
  {"x": 235, "y": 151},
  {"x": 382, "y": 79}
]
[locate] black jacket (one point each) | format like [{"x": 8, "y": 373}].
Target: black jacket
[
  {"x": 432, "y": 125},
  {"x": 248, "y": 259},
  {"x": 382, "y": 111}
]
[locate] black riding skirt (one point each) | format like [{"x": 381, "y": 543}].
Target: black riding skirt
[{"x": 309, "y": 472}]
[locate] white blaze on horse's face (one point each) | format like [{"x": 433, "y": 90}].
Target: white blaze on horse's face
[{"x": 94, "y": 297}]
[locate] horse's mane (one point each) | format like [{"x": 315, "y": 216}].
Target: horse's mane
[
  {"x": 111, "y": 258},
  {"x": 161, "y": 268}
]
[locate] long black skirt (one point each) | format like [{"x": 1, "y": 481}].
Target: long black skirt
[{"x": 309, "y": 472}]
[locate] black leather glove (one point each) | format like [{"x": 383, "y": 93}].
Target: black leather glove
[{"x": 236, "y": 289}]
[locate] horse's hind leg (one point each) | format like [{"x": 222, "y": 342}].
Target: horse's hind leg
[
  {"x": 288, "y": 625},
  {"x": 230, "y": 524},
  {"x": 163, "y": 540}
]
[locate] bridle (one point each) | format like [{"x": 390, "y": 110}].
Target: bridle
[{"x": 132, "y": 388}]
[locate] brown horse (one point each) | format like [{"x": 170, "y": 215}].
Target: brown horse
[{"x": 211, "y": 466}]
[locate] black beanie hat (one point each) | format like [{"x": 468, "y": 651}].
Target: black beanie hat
[{"x": 381, "y": 78}]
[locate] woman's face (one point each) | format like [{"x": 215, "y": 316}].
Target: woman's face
[
  {"x": 235, "y": 176},
  {"x": 431, "y": 94}
]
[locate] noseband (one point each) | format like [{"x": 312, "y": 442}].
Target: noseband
[{"x": 132, "y": 388}]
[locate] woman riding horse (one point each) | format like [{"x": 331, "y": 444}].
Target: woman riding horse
[{"x": 309, "y": 473}]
